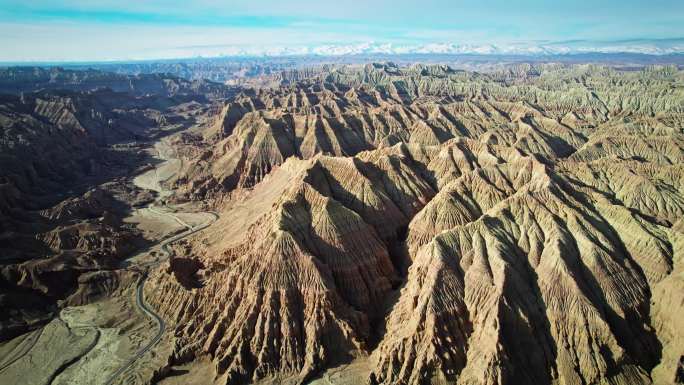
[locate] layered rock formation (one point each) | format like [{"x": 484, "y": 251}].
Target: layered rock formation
[
  {"x": 351, "y": 110},
  {"x": 446, "y": 226},
  {"x": 440, "y": 226}
]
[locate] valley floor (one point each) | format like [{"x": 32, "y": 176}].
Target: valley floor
[{"x": 90, "y": 344}]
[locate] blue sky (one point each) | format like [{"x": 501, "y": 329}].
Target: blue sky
[{"x": 73, "y": 30}]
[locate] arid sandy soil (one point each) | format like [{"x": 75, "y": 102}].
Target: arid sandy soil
[{"x": 83, "y": 346}]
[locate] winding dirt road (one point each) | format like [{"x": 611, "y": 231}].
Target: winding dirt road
[
  {"x": 154, "y": 180},
  {"x": 166, "y": 254},
  {"x": 140, "y": 296}
]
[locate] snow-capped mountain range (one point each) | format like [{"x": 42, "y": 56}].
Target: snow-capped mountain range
[{"x": 649, "y": 47}]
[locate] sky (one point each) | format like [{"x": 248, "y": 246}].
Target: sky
[{"x": 89, "y": 30}]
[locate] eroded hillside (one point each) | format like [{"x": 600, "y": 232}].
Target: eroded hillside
[
  {"x": 441, "y": 226},
  {"x": 65, "y": 195},
  {"x": 374, "y": 224}
]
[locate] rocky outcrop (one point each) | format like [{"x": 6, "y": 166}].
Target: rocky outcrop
[
  {"x": 445, "y": 226},
  {"x": 498, "y": 298},
  {"x": 441, "y": 226},
  {"x": 348, "y": 110},
  {"x": 307, "y": 274}
]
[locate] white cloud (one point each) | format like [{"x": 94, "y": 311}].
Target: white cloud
[{"x": 64, "y": 41}]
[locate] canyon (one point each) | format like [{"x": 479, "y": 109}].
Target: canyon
[{"x": 371, "y": 223}]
